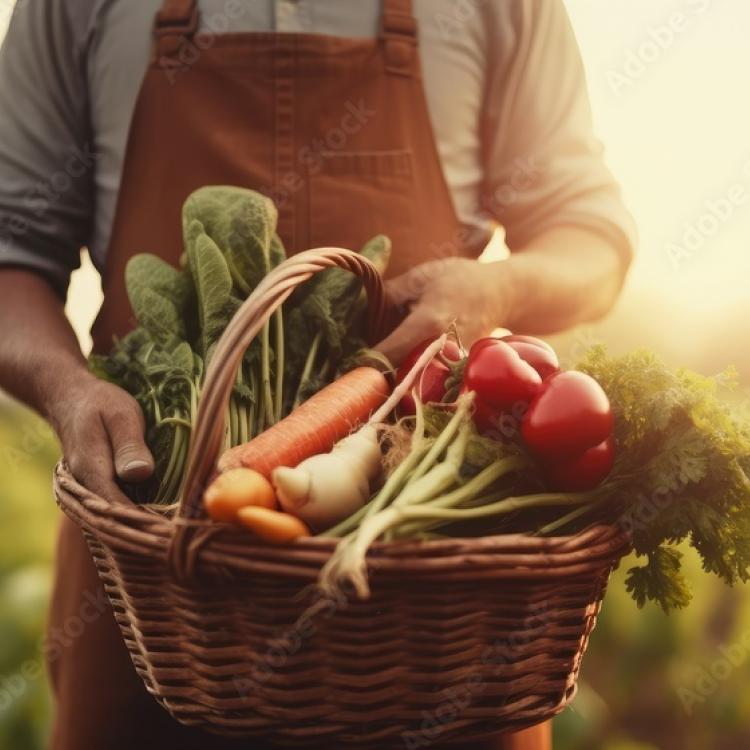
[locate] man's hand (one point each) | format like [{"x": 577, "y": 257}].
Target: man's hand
[
  {"x": 476, "y": 296},
  {"x": 565, "y": 276},
  {"x": 100, "y": 425},
  {"x": 101, "y": 429}
]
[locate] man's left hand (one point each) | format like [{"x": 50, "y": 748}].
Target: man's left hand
[{"x": 475, "y": 296}]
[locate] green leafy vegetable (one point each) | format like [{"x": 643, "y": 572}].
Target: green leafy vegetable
[
  {"x": 230, "y": 245},
  {"x": 681, "y": 472}
]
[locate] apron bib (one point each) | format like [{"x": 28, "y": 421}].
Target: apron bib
[{"x": 337, "y": 132}]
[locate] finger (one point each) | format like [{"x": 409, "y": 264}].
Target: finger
[
  {"x": 92, "y": 465},
  {"x": 132, "y": 459},
  {"x": 419, "y": 325},
  {"x": 409, "y": 286}
]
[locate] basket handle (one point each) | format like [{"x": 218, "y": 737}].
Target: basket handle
[{"x": 252, "y": 315}]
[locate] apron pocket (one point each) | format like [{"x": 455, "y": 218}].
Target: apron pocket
[{"x": 354, "y": 195}]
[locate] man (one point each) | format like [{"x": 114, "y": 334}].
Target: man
[{"x": 110, "y": 118}]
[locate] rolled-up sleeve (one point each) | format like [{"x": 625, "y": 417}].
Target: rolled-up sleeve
[
  {"x": 545, "y": 168},
  {"x": 46, "y": 159}
]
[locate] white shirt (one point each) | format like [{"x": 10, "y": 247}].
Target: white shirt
[{"x": 503, "y": 79}]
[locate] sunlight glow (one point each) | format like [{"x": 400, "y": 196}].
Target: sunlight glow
[{"x": 668, "y": 82}]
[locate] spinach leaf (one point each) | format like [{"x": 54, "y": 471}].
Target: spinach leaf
[
  {"x": 242, "y": 224},
  {"x": 159, "y": 296},
  {"x": 213, "y": 286},
  {"x": 329, "y": 299}
]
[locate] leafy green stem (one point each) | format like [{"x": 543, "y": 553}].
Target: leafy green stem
[
  {"x": 307, "y": 368},
  {"x": 279, "y": 364},
  {"x": 266, "y": 374}
]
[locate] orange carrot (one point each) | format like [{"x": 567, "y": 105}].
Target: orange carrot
[
  {"x": 315, "y": 426},
  {"x": 237, "y": 489},
  {"x": 271, "y": 525}
]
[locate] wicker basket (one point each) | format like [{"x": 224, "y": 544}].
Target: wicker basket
[{"x": 461, "y": 638}]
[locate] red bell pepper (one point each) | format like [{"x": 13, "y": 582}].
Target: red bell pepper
[{"x": 430, "y": 386}]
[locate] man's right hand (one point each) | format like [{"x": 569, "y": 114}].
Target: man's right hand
[
  {"x": 99, "y": 425},
  {"x": 101, "y": 429}
]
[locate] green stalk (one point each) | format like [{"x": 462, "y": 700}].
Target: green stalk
[
  {"x": 397, "y": 480},
  {"x": 470, "y": 492},
  {"x": 242, "y": 436},
  {"x": 443, "y": 440},
  {"x": 279, "y": 393},
  {"x": 266, "y": 374},
  {"x": 488, "y": 476},
  {"x": 252, "y": 412},
  {"x": 241, "y": 412},
  {"x": 349, "y": 563},
  {"x": 177, "y": 421},
  {"x": 184, "y": 447},
  {"x": 441, "y": 476},
  {"x": 155, "y": 403},
  {"x": 414, "y": 529},
  {"x": 381, "y": 499},
  {"x": 234, "y": 422},
  {"x": 502, "y": 507},
  {"x": 567, "y": 518},
  {"x": 307, "y": 369},
  {"x": 261, "y": 423},
  {"x": 172, "y": 467},
  {"x": 194, "y": 396}
]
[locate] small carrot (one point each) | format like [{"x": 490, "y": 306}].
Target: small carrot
[
  {"x": 315, "y": 426},
  {"x": 272, "y": 525},
  {"x": 237, "y": 489}
]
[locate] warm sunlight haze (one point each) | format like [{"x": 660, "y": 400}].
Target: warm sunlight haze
[{"x": 664, "y": 75}]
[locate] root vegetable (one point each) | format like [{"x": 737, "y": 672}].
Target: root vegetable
[
  {"x": 272, "y": 525},
  {"x": 315, "y": 426},
  {"x": 237, "y": 489},
  {"x": 326, "y": 488}
]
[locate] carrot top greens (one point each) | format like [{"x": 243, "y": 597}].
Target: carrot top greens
[{"x": 681, "y": 472}]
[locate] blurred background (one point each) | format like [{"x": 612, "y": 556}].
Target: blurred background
[{"x": 668, "y": 82}]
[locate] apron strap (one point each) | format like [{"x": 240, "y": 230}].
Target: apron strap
[
  {"x": 399, "y": 34},
  {"x": 177, "y": 21},
  {"x": 174, "y": 24}
]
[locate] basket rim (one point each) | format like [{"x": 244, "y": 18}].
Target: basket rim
[{"x": 135, "y": 529}]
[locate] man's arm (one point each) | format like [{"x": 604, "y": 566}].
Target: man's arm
[
  {"x": 545, "y": 182},
  {"x": 563, "y": 277},
  {"x": 99, "y": 425},
  {"x": 46, "y": 199}
]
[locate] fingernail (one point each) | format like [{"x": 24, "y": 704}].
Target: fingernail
[{"x": 136, "y": 466}]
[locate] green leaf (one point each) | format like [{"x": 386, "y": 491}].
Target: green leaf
[
  {"x": 151, "y": 271},
  {"x": 159, "y": 296},
  {"x": 660, "y": 580},
  {"x": 242, "y": 224},
  {"x": 182, "y": 357},
  {"x": 328, "y": 300},
  {"x": 378, "y": 250},
  {"x": 213, "y": 286}
]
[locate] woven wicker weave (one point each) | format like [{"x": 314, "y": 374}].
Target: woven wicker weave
[{"x": 460, "y": 638}]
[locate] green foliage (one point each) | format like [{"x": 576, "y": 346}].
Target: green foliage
[
  {"x": 230, "y": 245},
  {"x": 159, "y": 296},
  {"x": 213, "y": 287},
  {"x": 683, "y": 455},
  {"x": 243, "y": 224}
]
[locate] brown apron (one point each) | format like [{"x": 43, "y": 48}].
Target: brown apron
[{"x": 337, "y": 131}]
